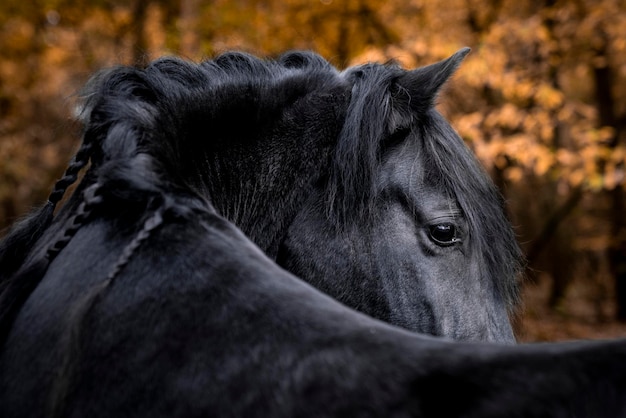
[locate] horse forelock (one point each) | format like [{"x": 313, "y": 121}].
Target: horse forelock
[
  {"x": 491, "y": 235},
  {"x": 369, "y": 119}
]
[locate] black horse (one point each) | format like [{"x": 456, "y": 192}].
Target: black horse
[
  {"x": 142, "y": 298},
  {"x": 349, "y": 180}
]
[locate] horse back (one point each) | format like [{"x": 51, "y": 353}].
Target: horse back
[
  {"x": 199, "y": 322},
  {"x": 197, "y": 318}
]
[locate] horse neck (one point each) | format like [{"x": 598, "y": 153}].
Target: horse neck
[{"x": 262, "y": 188}]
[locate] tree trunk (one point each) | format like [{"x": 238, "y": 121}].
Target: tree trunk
[
  {"x": 617, "y": 251},
  {"x": 603, "y": 77}
]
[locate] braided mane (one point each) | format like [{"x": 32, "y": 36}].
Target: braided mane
[{"x": 132, "y": 138}]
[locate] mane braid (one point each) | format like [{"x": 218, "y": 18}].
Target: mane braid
[
  {"x": 18, "y": 288},
  {"x": 80, "y": 312},
  {"x": 79, "y": 161},
  {"x": 149, "y": 225},
  {"x": 91, "y": 199},
  {"x": 15, "y": 247}
]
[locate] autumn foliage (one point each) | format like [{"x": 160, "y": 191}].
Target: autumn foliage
[{"x": 540, "y": 99}]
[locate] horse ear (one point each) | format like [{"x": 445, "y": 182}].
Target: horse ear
[{"x": 420, "y": 87}]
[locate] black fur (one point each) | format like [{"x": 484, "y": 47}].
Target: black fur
[{"x": 143, "y": 297}]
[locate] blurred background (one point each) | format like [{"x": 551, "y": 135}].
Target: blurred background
[{"x": 541, "y": 100}]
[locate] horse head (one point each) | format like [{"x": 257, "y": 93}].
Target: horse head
[{"x": 408, "y": 228}]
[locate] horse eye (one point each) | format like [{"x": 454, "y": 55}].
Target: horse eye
[{"x": 443, "y": 234}]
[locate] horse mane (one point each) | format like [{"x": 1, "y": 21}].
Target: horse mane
[{"x": 134, "y": 146}]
